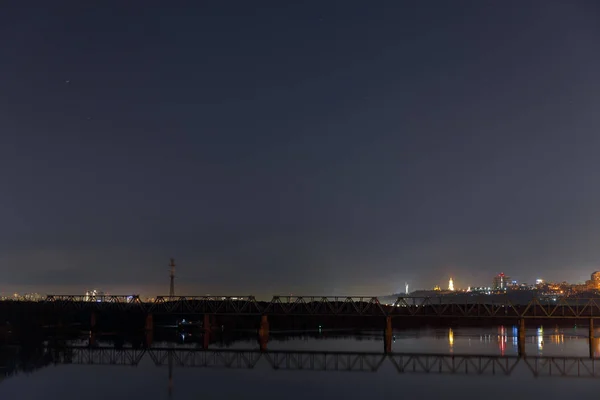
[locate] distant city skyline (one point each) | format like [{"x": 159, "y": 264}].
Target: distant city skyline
[{"x": 183, "y": 289}]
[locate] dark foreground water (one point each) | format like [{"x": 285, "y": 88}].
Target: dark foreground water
[{"x": 426, "y": 364}]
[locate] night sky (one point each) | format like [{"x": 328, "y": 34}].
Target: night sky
[{"x": 321, "y": 147}]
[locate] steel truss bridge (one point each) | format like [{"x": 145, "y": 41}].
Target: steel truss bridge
[
  {"x": 433, "y": 307},
  {"x": 403, "y": 363}
]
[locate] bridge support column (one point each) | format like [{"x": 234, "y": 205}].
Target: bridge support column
[
  {"x": 149, "y": 329},
  {"x": 388, "y": 334},
  {"x": 592, "y": 340},
  {"x": 521, "y": 340},
  {"x": 206, "y": 327},
  {"x": 263, "y": 333},
  {"x": 93, "y": 319}
]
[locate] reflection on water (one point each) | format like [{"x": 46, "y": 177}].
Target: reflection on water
[
  {"x": 558, "y": 337},
  {"x": 502, "y": 340},
  {"x": 230, "y": 368},
  {"x": 502, "y": 337}
]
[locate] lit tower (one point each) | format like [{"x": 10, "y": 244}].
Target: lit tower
[
  {"x": 451, "y": 285},
  {"x": 172, "y": 288},
  {"x": 406, "y": 288}
]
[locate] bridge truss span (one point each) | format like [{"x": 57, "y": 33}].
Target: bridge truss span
[
  {"x": 415, "y": 307},
  {"x": 438, "y": 307},
  {"x": 233, "y": 305},
  {"x": 325, "y": 306}
]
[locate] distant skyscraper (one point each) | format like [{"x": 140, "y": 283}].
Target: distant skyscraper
[
  {"x": 500, "y": 282},
  {"x": 406, "y": 288},
  {"x": 451, "y": 285}
]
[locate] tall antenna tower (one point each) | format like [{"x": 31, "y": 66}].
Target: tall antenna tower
[{"x": 172, "y": 288}]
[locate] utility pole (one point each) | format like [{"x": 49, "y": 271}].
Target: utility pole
[{"x": 172, "y": 288}]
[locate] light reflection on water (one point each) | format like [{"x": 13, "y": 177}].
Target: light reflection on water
[
  {"x": 148, "y": 381},
  {"x": 502, "y": 340}
]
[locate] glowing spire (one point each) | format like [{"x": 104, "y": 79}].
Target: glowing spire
[{"x": 451, "y": 285}]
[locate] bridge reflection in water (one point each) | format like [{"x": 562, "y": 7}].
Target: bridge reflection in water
[{"x": 404, "y": 363}]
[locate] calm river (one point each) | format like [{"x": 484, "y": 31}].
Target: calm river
[{"x": 460, "y": 363}]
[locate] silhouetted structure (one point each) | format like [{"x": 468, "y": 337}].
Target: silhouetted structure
[
  {"x": 172, "y": 274},
  {"x": 129, "y": 312}
]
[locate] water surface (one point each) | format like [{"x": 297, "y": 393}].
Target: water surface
[{"x": 427, "y": 363}]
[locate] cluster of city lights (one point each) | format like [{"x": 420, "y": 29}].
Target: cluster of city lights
[{"x": 502, "y": 283}]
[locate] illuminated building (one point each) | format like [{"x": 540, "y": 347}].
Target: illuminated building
[
  {"x": 595, "y": 280},
  {"x": 451, "y": 285},
  {"x": 500, "y": 282},
  {"x": 436, "y": 288}
]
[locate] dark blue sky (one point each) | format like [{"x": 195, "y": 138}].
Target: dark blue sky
[{"x": 321, "y": 147}]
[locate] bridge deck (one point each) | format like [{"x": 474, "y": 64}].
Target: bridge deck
[{"x": 437, "y": 307}]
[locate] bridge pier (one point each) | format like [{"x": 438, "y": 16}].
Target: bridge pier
[
  {"x": 263, "y": 332},
  {"x": 93, "y": 319},
  {"x": 521, "y": 339},
  {"x": 206, "y": 327},
  {"x": 388, "y": 334},
  {"x": 592, "y": 340},
  {"x": 149, "y": 329}
]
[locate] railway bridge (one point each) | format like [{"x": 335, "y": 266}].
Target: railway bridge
[{"x": 209, "y": 308}]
